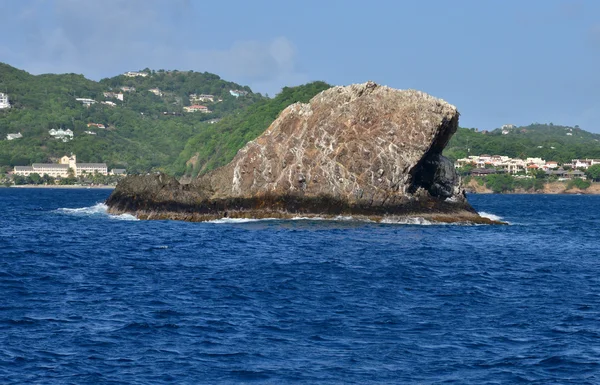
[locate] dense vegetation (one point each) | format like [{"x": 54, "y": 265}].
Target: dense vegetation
[
  {"x": 217, "y": 145},
  {"x": 139, "y": 136},
  {"x": 547, "y": 141},
  {"x": 147, "y": 132}
]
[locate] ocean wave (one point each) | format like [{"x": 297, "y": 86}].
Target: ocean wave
[
  {"x": 239, "y": 220},
  {"x": 414, "y": 221},
  {"x": 97, "y": 210},
  {"x": 490, "y": 216},
  {"x": 411, "y": 221}
]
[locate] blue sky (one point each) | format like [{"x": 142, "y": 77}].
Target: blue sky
[{"x": 498, "y": 61}]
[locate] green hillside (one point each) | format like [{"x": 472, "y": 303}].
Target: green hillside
[
  {"x": 143, "y": 132},
  {"x": 216, "y": 145},
  {"x": 548, "y": 141}
]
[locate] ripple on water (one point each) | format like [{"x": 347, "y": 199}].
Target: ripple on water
[{"x": 88, "y": 298}]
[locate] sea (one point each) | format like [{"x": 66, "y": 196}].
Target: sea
[{"x": 92, "y": 298}]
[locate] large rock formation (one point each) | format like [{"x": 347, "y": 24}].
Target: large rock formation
[{"x": 365, "y": 150}]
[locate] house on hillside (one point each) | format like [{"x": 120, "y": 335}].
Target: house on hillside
[
  {"x": 238, "y": 93},
  {"x": 201, "y": 98},
  {"x": 64, "y": 135},
  {"x": 197, "y": 108},
  {"x": 86, "y": 102},
  {"x": 113, "y": 95},
  {"x": 133, "y": 74},
  {"x": 118, "y": 171},
  {"x": 127, "y": 89},
  {"x": 109, "y": 103},
  {"x": 156, "y": 91},
  {"x": 4, "y": 103},
  {"x": 18, "y": 135},
  {"x": 97, "y": 125}
]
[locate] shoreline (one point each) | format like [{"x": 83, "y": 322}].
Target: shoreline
[
  {"x": 67, "y": 186},
  {"x": 549, "y": 188}
]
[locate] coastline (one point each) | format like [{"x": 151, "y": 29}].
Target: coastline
[
  {"x": 63, "y": 187},
  {"x": 552, "y": 188}
]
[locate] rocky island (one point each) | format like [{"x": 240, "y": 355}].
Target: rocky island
[{"x": 365, "y": 151}]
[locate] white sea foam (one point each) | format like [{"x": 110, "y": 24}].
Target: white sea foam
[
  {"x": 97, "y": 210},
  {"x": 490, "y": 216},
  {"x": 389, "y": 220},
  {"x": 410, "y": 221},
  {"x": 239, "y": 220}
]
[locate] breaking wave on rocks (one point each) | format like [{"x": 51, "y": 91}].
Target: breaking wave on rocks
[
  {"x": 490, "y": 216},
  {"x": 413, "y": 221},
  {"x": 97, "y": 210}
]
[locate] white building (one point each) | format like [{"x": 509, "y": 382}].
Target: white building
[
  {"x": 4, "y": 103},
  {"x": 85, "y": 101},
  {"x": 109, "y": 103},
  {"x": 113, "y": 95},
  {"x": 201, "y": 98},
  {"x": 238, "y": 93},
  {"x": 62, "y": 168},
  {"x": 18, "y": 135},
  {"x": 583, "y": 163},
  {"x": 133, "y": 74},
  {"x": 51, "y": 169},
  {"x": 127, "y": 89},
  {"x": 156, "y": 91},
  {"x": 64, "y": 135}
]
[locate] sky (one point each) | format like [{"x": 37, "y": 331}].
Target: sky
[{"x": 500, "y": 62}]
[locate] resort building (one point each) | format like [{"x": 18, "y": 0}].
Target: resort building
[
  {"x": 61, "y": 169},
  {"x": 4, "y": 103},
  {"x": 583, "y": 163},
  {"x": 51, "y": 169}
]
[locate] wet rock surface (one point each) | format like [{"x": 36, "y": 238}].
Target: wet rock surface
[{"x": 368, "y": 151}]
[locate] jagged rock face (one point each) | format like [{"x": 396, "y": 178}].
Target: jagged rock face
[
  {"x": 362, "y": 143},
  {"x": 363, "y": 150}
]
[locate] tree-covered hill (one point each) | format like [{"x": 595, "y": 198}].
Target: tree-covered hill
[
  {"x": 548, "y": 141},
  {"x": 218, "y": 143},
  {"x": 142, "y": 132}
]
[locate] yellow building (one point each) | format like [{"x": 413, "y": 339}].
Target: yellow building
[{"x": 61, "y": 169}]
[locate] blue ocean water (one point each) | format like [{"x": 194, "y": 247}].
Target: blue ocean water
[{"x": 86, "y": 297}]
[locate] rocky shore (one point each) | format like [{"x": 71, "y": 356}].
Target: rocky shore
[
  {"x": 366, "y": 151},
  {"x": 549, "y": 188}
]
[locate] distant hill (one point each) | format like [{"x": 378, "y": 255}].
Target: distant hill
[
  {"x": 218, "y": 144},
  {"x": 146, "y": 130},
  {"x": 548, "y": 141}
]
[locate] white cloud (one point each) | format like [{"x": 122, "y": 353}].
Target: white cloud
[{"x": 104, "y": 38}]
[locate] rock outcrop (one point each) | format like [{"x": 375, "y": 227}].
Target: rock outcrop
[{"x": 365, "y": 150}]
